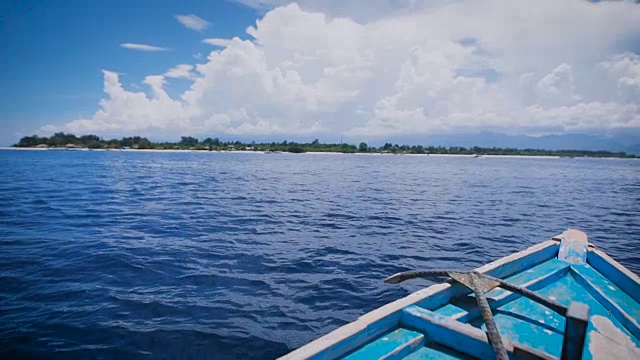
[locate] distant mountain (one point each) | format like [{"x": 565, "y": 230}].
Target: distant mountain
[
  {"x": 628, "y": 144},
  {"x": 634, "y": 149},
  {"x": 628, "y": 141}
]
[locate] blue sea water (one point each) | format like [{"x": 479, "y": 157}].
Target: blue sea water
[{"x": 232, "y": 255}]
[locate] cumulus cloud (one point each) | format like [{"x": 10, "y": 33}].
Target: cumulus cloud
[
  {"x": 120, "y": 107},
  {"x": 560, "y": 66},
  {"x": 193, "y": 22},
  {"x": 182, "y": 71},
  {"x": 142, "y": 47},
  {"x": 358, "y": 10},
  {"x": 624, "y": 69},
  {"x": 557, "y": 88}
]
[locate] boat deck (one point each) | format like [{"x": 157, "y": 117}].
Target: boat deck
[{"x": 445, "y": 322}]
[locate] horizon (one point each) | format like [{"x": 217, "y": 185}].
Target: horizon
[
  {"x": 390, "y": 71},
  {"x": 84, "y": 140}
]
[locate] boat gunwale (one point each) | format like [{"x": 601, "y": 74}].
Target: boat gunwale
[
  {"x": 368, "y": 323},
  {"x": 622, "y": 273}
]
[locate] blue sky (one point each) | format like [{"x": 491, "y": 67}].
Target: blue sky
[
  {"x": 54, "y": 51},
  {"x": 362, "y": 70}
]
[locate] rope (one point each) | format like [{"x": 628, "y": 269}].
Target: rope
[{"x": 492, "y": 329}]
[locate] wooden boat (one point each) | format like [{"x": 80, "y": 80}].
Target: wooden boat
[{"x": 560, "y": 299}]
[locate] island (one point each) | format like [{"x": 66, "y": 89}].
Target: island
[{"x": 62, "y": 140}]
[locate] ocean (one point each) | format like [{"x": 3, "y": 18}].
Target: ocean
[{"x": 107, "y": 254}]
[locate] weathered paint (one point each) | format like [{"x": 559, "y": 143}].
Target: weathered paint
[
  {"x": 618, "y": 303},
  {"x": 615, "y": 272},
  {"x": 608, "y": 342},
  {"x": 575, "y": 331},
  {"x": 448, "y": 332},
  {"x": 439, "y": 353},
  {"x": 520, "y": 322},
  {"x": 465, "y": 308},
  {"x": 466, "y": 339},
  {"x": 394, "y": 345},
  {"x": 573, "y": 247},
  {"x": 355, "y": 336},
  {"x": 447, "y": 315}
]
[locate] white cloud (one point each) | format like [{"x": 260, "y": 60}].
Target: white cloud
[
  {"x": 625, "y": 70},
  {"x": 504, "y": 66},
  {"x": 47, "y": 130},
  {"x": 358, "y": 10},
  {"x": 143, "y": 47},
  {"x": 193, "y": 22},
  {"x": 182, "y": 71},
  {"x": 557, "y": 87},
  {"x": 218, "y": 42},
  {"x": 121, "y": 107}
]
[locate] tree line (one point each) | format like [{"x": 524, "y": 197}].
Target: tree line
[{"x": 62, "y": 140}]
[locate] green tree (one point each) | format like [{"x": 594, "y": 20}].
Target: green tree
[
  {"x": 363, "y": 147},
  {"x": 144, "y": 143},
  {"x": 30, "y": 141},
  {"x": 88, "y": 139},
  {"x": 95, "y": 145},
  {"x": 58, "y": 139},
  {"x": 295, "y": 148},
  {"x": 188, "y": 141}
]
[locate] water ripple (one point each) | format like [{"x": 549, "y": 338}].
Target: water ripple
[{"x": 225, "y": 256}]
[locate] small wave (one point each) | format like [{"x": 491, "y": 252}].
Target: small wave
[{"x": 151, "y": 255}]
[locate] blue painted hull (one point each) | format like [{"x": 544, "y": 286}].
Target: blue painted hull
[{"x": 445, "y": 322}]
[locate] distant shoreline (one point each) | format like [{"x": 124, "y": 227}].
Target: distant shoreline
[
  {"x": 308, "y": 153},
  {"x": 61, "y": 140}
]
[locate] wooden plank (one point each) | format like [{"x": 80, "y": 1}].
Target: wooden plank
[
  {"x": 394, "y": 345},
  {"x": 371, "y": 325},
  {"x": 573, "y": 246},
  {"x": 434, "y": 352},
  {"x": 531, "y": 324},
  {"x": 346, "y": 338},
  {"x": 522, "y": 352},
  {"x": 622, "y": 277},
  {"x": 520, "y": 261},
  {"x": 350, "y": 336},
  {"x": 607, "y": 341},
  {"x": 463, "y": 337},
  {"x": 533, "y": 279},
  {"x": 618, "y": 303},
  {"x": 575, "y": 331},
  {"x": 451, "y": 333}
]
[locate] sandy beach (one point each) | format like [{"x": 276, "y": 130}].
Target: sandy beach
[{"x": 263, "y": 152}]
